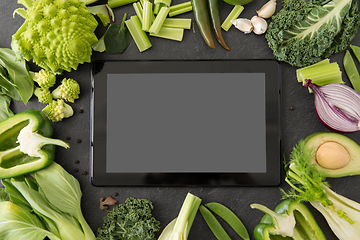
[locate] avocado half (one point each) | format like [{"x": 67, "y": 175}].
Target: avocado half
[{"x": 315, "y": 140}]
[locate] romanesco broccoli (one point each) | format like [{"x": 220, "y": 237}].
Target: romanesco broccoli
[
  {"x": 68, "y": 90},
  {"x": 43, "y": 95},
  {"x": 57, "y": 110},
  {"x": 56, "y": 34},
  {"x": 44, "y": 79}
]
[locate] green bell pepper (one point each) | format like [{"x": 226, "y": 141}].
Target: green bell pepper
[
  {"x": 26, "y": 144},
  {"x": 291, "y": 220}
]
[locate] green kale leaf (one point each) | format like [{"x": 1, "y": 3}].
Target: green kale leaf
[
  {"x": 305, "y": 32},
  {"x": 132, "y": 220}
]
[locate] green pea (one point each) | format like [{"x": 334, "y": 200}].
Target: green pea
[
  {"x": 213, "y": 224},
  {"x": 230, "y": 218},
  {"x": 351, "y": 71}
]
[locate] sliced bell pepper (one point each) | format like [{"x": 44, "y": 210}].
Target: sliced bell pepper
[
  {"x": 26, "y": 144},
  {"x": 290, "y": 220}
]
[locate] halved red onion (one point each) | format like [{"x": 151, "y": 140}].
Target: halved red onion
[{"x": 337, "y": 106}]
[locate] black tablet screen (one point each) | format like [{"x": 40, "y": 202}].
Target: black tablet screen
[{"x": 186, "y": 122}]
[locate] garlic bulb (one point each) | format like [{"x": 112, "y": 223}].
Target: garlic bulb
[
  {"x": 243, "y": 25},
  {"x": 267, "y": 10},
  {"x": 259, "y": 24}
]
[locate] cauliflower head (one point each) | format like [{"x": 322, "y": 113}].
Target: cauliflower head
[{"x": 56, "y": 34}]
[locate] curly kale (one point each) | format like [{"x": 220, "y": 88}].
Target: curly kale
[
  {"x": 305, "y": 32},
  {"x": 132, "y": 220}
]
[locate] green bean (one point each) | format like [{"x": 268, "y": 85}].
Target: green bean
[
  {"x": 230, "y": 218},
  {"x": 351, "y": 71},
  {"x": 213, "y": 224}
]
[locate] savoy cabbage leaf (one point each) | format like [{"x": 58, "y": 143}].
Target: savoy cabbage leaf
[{"x": 305, "y": 32}]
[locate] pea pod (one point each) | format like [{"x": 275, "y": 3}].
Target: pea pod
[
  {"x": 214, "y": 9},
  {"x": 214, "y": 224},
  {"x": 230, "y": 218},
  {"x": 351, "y": 71}
]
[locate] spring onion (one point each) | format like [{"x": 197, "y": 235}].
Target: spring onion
[
  {"x": 180, "y": 8},
  {"x": 234, "y": 14},
  {"x": 141, "y": 39},
  {"x": 337, "y": 106}
]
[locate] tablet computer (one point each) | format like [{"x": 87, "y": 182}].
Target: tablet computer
[{"x": 186, "y": 122}]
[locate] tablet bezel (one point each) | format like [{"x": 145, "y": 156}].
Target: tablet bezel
[{"x": 271, "y": 68}]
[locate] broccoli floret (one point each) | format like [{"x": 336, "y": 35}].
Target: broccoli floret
[
  {"x": 44, "y": 79},
  {"x": 128, "y": 221},
  {"x": 57, "y": 110},
  {"x": 43, "y": 95},
  {"x": 68, "y": 90},
  {"x": 56, "y": 34}
]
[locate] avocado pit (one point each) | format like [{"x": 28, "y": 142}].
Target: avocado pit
[{"x": 332, "y": 155}]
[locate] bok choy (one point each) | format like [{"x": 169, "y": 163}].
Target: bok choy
[{"x": 308, "y": 184}]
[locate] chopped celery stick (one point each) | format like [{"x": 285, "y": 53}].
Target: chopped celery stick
[
  {"x": 157, "y": 7},
  {"x": 325, "y": 61},
  {"x": 138, "y": 10},
  {"x": 140, "y": 38},
  {"x": 147, "y": 11},
  {"x": 119, "y": 3},
  {"x": 180, "y": 8},
  {"x": 165, "y": 2},
  {"x": 184, "y": 23},
  {"x": 234, "y": 14},
  {"x": 159, "y": 20},
  {"x": 170, "y": 33}
]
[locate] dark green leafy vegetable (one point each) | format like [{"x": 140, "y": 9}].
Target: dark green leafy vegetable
[
  {"x": 131, "y": 220},
  {"x": 117, "y": 37},
  {"x": 305, "y": 32},
  {"x": 5, "y": 111}
]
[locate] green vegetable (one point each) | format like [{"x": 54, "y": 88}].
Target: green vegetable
[
  {"x": 39, "y": 211},
  {"x": 68, "y": 90},
  {"x": 238, "y": 2},
  {"x": 129, "y": 221},
  {"x": 305, "y": 32},
  {"x": 230, "y": 218},
  {"x": 214, "y": 224},
  {"x": 140, "y": 38},
  {"x": 5, "y": 111},
  {"x": 290, "y": 219},
  {"x": 351, "y": 71},
  {"x": 15, "y": 79},
  {"x": 180, "y": 227},
  {"x": 44, "y": 79},
  {"x": 184, "y": 23},
  {"x": 57, "y": 110},
  {"x": 26, "y": 144},
  {"x": 117, "y": 37},
  {"x": 43, "y": 95},
  {"x": 147, "y": 16},
  {"x": 202, "y": 18},
  {"x": 308, "y": 184},
  {"x": 159, "y": 20},
  {"x": 119, "y": 3},
  {"x": 56, "y": 34},
  {"x": 175, "y": 34},
  {"x": 180, "y": 8},
  {"x": 104, "y": 12},
  {"x": 234, "y": 14},
  {"x": 214, "y": 10}
]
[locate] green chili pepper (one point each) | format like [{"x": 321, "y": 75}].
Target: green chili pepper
[
  {"x": 351, "y": 70},
  {"x": 202, "y": 19},
  {"x": 26, "y": 144},
  {"x": 290, "y": 220},
  {"x": 214, "y": 7}
]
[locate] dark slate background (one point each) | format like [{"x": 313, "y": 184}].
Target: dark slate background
[{"x": 298, "y": 123}]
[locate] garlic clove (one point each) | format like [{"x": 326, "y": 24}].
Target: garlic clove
[
  {"x": 259, "y": 24},
  {"x": 243, "y": 25},
  {"x": 267, "y": 10}
]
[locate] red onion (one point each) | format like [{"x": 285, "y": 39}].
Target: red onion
[{"x": 337, "y": 106}]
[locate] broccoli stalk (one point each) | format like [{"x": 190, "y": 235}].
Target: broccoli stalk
[
  {"x": 68, "y": 90},
  {"x": 57, "y": 110}
]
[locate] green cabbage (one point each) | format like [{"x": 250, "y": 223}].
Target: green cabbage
[{"x": 305, "y": 32}]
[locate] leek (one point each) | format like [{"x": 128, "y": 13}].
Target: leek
[
  {"x": 234, "y": 14},
  {"x": 179, "y": 228},
  {"x": 140, "y": 38},
  {"x": 159, "y": 20},
  {"x": 180, "y": 8}
]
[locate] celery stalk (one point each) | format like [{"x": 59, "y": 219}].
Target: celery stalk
[
  {"x": 175, "y": 34},
  {"x": 140, "y": 38},
  {"x": 184, "y": 23},
  {"x": 157, "y": 7},
  {"x": 159, "y": 20},
  {"x": 138, "y": 10},
  {"x": 298, "y": 71},
  {"x": 165, "y": 2},
  {"x": 147, "y": 11},
  {"x": 180, "y": 8},
  {"x": 234, "y": 14},
  {"x": 119, "y": 3}
]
